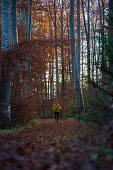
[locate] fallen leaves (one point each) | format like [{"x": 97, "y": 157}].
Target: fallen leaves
[{"x": 54, "y": 146}]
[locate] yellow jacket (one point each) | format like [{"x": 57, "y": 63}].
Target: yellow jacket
[{"x": 56, "y": 107}]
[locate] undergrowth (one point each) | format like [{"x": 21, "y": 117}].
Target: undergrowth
[
  {"x": 95, "y": 103},
  {"x": 19, "y": 128}
]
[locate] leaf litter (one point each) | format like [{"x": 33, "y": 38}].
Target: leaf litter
[{"x": 68, "y": 145}]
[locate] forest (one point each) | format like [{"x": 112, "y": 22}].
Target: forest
[{"x": 56, "y": 84}]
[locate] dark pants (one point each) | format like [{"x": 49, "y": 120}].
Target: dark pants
[{"x": 56, "y": 115}]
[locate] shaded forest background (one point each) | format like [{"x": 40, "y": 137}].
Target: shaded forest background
[{"x": 37, "y": 61}]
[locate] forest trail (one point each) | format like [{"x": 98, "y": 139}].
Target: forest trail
[{"x": 53, "y": 146}]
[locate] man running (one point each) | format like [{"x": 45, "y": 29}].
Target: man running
[{"x": 56, "y": 107}]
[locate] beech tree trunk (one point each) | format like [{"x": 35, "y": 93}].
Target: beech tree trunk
[
  {"x": 87, "y": 31},
  {"x": 78, "y": 36},
  {"x": 28, "y": 15},
  {"x": 103, "y": 43},
  {"x": 75, "y": 59},
  {"x": 62, "y": 47},
  {"x": 69, "y": 56},
  {"x": 88, "y": 43},
  {"x": 5, "y": 70},
  {"x": 111, "y": 35},
  {"x": 56, "y": 54},
  {"x": 14, "y": 22}
]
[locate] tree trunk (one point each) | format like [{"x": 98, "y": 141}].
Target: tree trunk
[
  {"x": 62, "y": 47},
  {"x": 28, "y": 36},
  {"x": 82, "y": 60},
  {"x": 103, "y": 43},
  {"x": 41, "y": 99},
  {"x": 87, "y": 31},
  {"x": 52, "y": 60},
  {"x": 93, "y": 52},
  {"x": 88, "y": 43},
  {"x": 78, "y": 35},
  {"x": 56, "y": 54},
  {"x": 5, "y": 70},
  {"x": 111, "y": 35},
  {"x": 74, "y": 59},
  {"x": 69, "y": 56},
  {"x": 29, "y": 20},
  {"x": 14, "y": 22},
  {"x": 45, "y": 95}
]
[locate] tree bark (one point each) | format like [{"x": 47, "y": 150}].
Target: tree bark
[
  {"x": 56, "y": 54},
  {"x": 29, "y": 20},
  {"x": 87, "y": 31},
  {"x": 78, "y": 35},
  {"x": 88, "y": 43},
  {"x": 5, "y": 82},
  {"x": 14, "y": 22},
  {"x": 62, "y": 47},
  {"x": 111, "y": 35},
  {"x": 75, "y": 60},
  {"x": 28, "y": 37}
]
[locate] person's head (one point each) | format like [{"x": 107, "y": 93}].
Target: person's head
[{"x": 56, "y": 101}]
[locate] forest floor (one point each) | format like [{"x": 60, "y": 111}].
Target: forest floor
[{"x": 68, "y": 145}]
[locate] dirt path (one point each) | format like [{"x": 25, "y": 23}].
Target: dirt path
[{"x": 52, "y": 146}]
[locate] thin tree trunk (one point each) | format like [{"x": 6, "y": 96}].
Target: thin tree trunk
[
  {"x": 82, "y": 61},
  {"x": 56, "y": 55},
  {"x": 88, "y": 42},
  {"x": 28, "y": 36},
  {"x": 87, "y": 31},
  {"x": 103, "y": 44},
  {"x": 26, "y": 23},
  {"x": 110, "y": 36},
  {"x": 70, "y": 73},
  {"x": 14, "y": 22},
  {"x": 51, "y": 63},
  {"x": 62, "y": 47},
  {"x": 41, "y": 99},
  {"x": 45, "y": 96},
  {"x": 78, "y": 35},
  {"x": 97, "y": 61},
  {"x": 93, "y": 54},
  {"x": 29, "y": 20}
]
